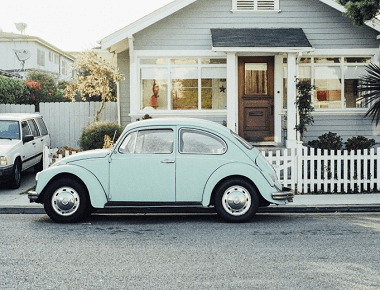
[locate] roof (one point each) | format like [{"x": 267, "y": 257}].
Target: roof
[
  {"x": 191, "y": 122},
  {"x": 259, "y": 37},
  {"x": 127, "y": 32},
  {"x": 18, "y": 116},
  {"x": 5, "y": 37}
]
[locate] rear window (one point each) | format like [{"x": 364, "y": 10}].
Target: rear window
[{"x": 42, "y": 126}]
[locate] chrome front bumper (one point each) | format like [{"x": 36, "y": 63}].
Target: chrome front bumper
[{"x": 285, "y": 194}]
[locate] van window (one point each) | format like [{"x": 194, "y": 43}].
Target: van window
[{"x": 41, "y": 124}]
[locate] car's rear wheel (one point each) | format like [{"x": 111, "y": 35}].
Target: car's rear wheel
[
  {"x": 236, "y": 200},
  {"x": 15, "y": 180},
  {"x": 66, "y": 201}
]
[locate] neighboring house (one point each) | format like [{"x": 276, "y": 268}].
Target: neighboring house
[
  {"x": 237, "y": 62},
  {"x": 36, "y": 53}
]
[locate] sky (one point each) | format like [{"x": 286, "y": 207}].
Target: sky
[{"x": 73, "y": 25}]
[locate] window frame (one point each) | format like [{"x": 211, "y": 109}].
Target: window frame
[
  {"x": 204, "y": 132},
  {"x": 342, "y": 65},
  {"x": 169, "y": 64}
]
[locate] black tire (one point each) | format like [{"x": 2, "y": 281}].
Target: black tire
[
  {"x": 39, "y": 166},
  {"x": 236, "y": 200},
  {"x": 15, "y": 180},
  {"x": 66, "y": 201}
]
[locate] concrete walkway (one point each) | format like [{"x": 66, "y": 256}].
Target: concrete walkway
[{"x": 16, "y": 202}]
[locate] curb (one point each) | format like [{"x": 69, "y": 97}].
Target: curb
[{"x": 270, "y": 209}]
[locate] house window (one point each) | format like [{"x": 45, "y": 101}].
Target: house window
[
  {"x": 56, "y": 59},
  {"x": 255, "y": 5},
  {"x": 336, "y": 80},
  {"x": 40, "y": 57},
  {"x": 64, "y": 68},
  {"x": 183, "y": 84},
  {"x": 50, "y": 56}
]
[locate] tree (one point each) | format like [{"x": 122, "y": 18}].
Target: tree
[
  {"x": 361, "y": 10},
  {"x": 48, "y": 90},
  {"x": 93, "y": 76},
  {"x": 303, "y": 103},
  {"x": 369, "y": 89}
]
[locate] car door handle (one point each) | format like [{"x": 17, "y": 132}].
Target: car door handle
[{"x": 168, "y": 161}]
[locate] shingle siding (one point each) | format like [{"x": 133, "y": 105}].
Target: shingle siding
[{"x": 189, "y": 28}]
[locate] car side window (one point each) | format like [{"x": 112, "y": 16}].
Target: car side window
[
  {"x": 25, "y": 129},
  {"x": 157, "y": 141},
  {"x": 200, "y": 142},
  {"x": 42, "y": 126},
  {"x": 33, "y": 128}
]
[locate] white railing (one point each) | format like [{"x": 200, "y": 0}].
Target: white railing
[
  {"x": 50, "y": 156},
  {"x": 307, "y": 170}
]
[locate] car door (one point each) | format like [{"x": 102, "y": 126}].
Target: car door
[
  {"x": 142, "y": 169},
  {"x": 200, "y": 153},
  {"x": 29, "y": 148},
  {"x": 37, "y": 142}
]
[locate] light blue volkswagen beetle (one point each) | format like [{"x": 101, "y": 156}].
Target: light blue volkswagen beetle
[{"x": 160, "y": 163}]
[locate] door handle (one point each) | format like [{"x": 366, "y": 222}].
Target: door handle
[{"x": 168, "y": 161}]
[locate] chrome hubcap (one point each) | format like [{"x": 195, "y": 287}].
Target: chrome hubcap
[
  {"x": 65, "y": 201},
  {"x": 236, "y": 200}
]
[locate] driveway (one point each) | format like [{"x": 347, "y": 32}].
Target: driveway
[{"x": 27, "y": 181}]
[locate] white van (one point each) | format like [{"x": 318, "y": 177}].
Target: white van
[{"x": 22, "y": 139}]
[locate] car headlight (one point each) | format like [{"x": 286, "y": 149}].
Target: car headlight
[{"x": 3, "y": 160}]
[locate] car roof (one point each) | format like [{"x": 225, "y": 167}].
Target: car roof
[
  {"x": 183, "y": 122},
  {"x": 18, "y": 116}
]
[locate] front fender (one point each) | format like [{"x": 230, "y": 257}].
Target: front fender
[
  {"x": 238, "y": 169},
  {"x": 97, "y": 193}
]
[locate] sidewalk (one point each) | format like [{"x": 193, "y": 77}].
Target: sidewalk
[{"x": 13, "y": 202}]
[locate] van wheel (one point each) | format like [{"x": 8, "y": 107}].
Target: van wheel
[
  {"x": 66, "y": 201},
  {"x": 236, "y": 200},
  {"x": 16, "y": 175}
]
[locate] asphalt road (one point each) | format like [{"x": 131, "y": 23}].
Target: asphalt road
[{"x": 274, "y": 251}]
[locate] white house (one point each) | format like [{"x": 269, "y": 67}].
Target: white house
[
  {"x": 20, "y": 53},
  {"x": 237, "y": 62}
]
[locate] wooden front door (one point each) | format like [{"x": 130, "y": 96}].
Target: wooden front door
[{"x": 256, "y": 98}]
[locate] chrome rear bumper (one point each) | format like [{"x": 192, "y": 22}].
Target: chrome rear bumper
[
  {"x": 285, "y": 194},
  {"x": 33, "y": 196}
]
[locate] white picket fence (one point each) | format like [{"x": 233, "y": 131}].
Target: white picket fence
[{"x": 311, "y": 171}]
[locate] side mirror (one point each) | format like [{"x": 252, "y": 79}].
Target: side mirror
[{"x": 28, "y": 138}]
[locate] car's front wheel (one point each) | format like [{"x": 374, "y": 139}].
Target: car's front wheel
[
  {"x": 15, "y": 180},
  {"x": 236, "y": 200},
  {"x": 66, "y": 201}
]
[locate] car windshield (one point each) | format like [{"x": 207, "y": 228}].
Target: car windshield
[
  {"x": 245, "y": 143},
  {"x": 9, "y": 130}
]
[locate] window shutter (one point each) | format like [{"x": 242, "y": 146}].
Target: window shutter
[
  {"x": 265, "y": 5},
  {"x": 245, "y": 5},
  {"x": 255, "y": 5}
]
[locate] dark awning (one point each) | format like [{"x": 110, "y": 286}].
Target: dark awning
[{"x": 259, "y": 37}]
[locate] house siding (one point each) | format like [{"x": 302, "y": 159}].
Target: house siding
[
  {"x": 189, "y": 28},
  {"x": 358, "y": 125}
]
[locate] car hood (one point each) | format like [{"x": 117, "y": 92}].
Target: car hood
[
  {"x": 6, "y": 145},
  {"x": 90, "y": 154}
]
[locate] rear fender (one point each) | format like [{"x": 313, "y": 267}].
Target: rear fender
[
  {"x": 237, "y": 169},
  {"x": 97, "y": 193}
]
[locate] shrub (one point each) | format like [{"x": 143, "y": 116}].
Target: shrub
[
  {"x": 330, "y": 141},
  {"x": 359, "y": 143},
  {"x": 13, "y": 91},
  {"x": 93, "y": 136}
]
